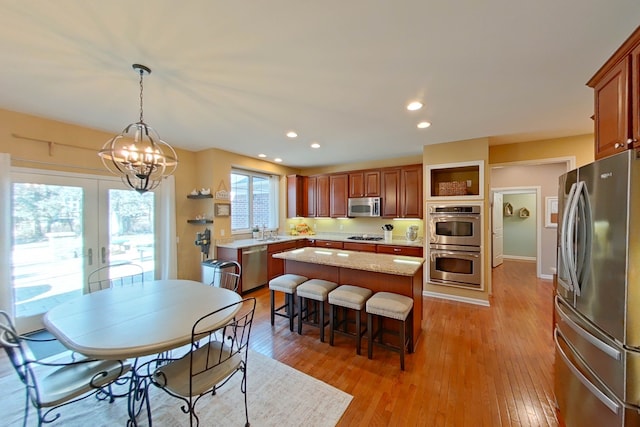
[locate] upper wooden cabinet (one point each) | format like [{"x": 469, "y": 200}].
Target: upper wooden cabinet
[
  {"x": 411, "y": 191},
  {"x": 322, "y": 196},
  {"x": 364, "y": 183},
  {"x": 296, "y": 196},
  {"x": 327, "y": 195},
  {"x": 390, "y": 192},
  {"x": 338, "y": 185},
  {"x": 617, "y": 100},
  {"x": 311, "y": 195},
  {"x": 401, "y": 192},
  {"x": 635, "y": 93}
]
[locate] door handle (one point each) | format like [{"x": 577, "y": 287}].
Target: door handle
[
  {"x": 104, "y": 255},
  {"x": 90, "y": 256}
]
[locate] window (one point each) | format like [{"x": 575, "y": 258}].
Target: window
[{"x": 253, "y": 200}]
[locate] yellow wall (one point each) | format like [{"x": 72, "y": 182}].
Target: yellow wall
[
  {"x": 471, "y": 150},
  {"x": 75, "y": 148},
  {"x": 580, "y": 146}
]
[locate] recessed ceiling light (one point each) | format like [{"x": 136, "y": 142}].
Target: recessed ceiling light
[
  {"x": 277, "y": 160},
  {"x": 292, "y": 134},
  {"x": 262, "y": 156},
  {"x": 415, "y": 105},
  {"x": 315, "y": 145},
  {"x": 424, "y": 125}
]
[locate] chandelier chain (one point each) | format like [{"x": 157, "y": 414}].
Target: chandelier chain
[{"x": 141, "y": 90}]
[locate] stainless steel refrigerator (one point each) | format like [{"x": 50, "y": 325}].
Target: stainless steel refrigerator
[{"x": 597, "y": 303}]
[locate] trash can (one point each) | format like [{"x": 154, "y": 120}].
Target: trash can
[{"x": 212, "y": 268}]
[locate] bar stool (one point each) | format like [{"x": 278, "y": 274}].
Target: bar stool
[
  {"x": 287, "y": 284},
  {"x": 348, "y": 297},
  {"x": 392, "y": 306},
  {"x": 316, "y": 290}
]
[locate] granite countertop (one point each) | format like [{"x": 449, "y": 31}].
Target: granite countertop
[
  {"x": 378, "y": 263},
  {"x": 245, "y": 243}
]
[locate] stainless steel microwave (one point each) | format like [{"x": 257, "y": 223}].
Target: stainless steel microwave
[{"x": 364, "y": 206}]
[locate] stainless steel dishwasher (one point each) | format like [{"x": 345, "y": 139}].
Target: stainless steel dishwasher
[{"x": 254, "y": 267}]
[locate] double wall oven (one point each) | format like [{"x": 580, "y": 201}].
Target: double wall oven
[{"x": 454, "y": 245}]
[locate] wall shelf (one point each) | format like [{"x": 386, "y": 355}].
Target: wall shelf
[
  {"x": 508, "y": 209},
  {"x": 464, "y": 180},
  {"x": 200, "y": 221},
  {"x": 199, "y": 196}
]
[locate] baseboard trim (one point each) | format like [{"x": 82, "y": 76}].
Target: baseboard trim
[
  {"x": 457, "y": 298},
  {"x": 546, "y": 276},
  {"x": 519, "y": 258}
]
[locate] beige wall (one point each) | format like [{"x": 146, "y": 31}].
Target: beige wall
[
  {"x": 74, "y": 149},
  {"x": 463, "y": 151},
  {"x": 581, "y": 147}
]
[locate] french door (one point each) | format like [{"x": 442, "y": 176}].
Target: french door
[{"x": 64, "y": 227}]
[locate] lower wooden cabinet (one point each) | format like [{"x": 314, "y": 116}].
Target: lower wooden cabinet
[
  {"x": 360, "y": 247},
  {"x": 327, "y": 244},
  {"x": 275, "y": 266},
  {"x": 399, "y": 250}
]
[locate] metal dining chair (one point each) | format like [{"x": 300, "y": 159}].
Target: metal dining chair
[
  {"x": 116, "y": 274},
  {"x": 227, "y": 275},
  {"x": 61, "y": 383},
  {"x": 216, "y": 354}
]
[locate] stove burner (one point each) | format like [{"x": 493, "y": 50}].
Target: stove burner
[{"x": 364, "y": 238}]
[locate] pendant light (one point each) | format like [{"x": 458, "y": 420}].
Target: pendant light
[{"x": 138, "y": 154}]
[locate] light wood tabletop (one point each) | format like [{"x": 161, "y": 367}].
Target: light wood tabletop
[{"x": 134, "y": 321}]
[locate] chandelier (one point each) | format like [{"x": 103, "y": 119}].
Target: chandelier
[{"x": 138, "y": 154}]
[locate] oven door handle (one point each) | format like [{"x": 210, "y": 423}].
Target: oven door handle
[
  {"x": 455, "y": 216},
  {"x": 464, "y": 255}
]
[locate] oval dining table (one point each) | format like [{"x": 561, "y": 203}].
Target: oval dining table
[{"x": 139, "y": 320}]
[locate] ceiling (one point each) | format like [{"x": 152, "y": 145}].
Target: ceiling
[{"x": 237, "y": 75}]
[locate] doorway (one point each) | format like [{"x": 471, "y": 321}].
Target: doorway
[
  {"x": 67, "y": 225},
  {"x": 524, "y": 176}
]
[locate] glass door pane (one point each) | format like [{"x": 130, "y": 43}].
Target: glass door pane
[
  {"x": 49, "y": 245},
  {"x": 129, "y": 229}
]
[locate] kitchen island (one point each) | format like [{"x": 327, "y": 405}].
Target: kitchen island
[{"x": 378, "y": 272}]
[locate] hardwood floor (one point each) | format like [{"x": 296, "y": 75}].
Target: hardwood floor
[{"x": 473, "y": 365}]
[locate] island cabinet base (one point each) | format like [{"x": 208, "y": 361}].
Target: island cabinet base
[{"x": 410, "y": 286}]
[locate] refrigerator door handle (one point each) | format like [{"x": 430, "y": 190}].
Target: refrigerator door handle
[
  {"x": 612, "y": 405},
  {"x": 571, "y": 220},
  {"x": 585, "y": 231},
  {"x": 564, "y": 237},
  {"x": 605, "y": 348}
]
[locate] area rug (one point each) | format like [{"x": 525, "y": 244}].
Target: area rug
[{"x": 278, "y": 395}]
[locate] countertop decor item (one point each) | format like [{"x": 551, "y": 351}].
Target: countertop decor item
[
  {"x": 412, "y": 233},
  {"x": 138, "y": 154}
]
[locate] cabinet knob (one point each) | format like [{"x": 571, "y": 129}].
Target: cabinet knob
[
  {"x": 620, "y": 144},
  {"x": 631, "y": 141}
]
